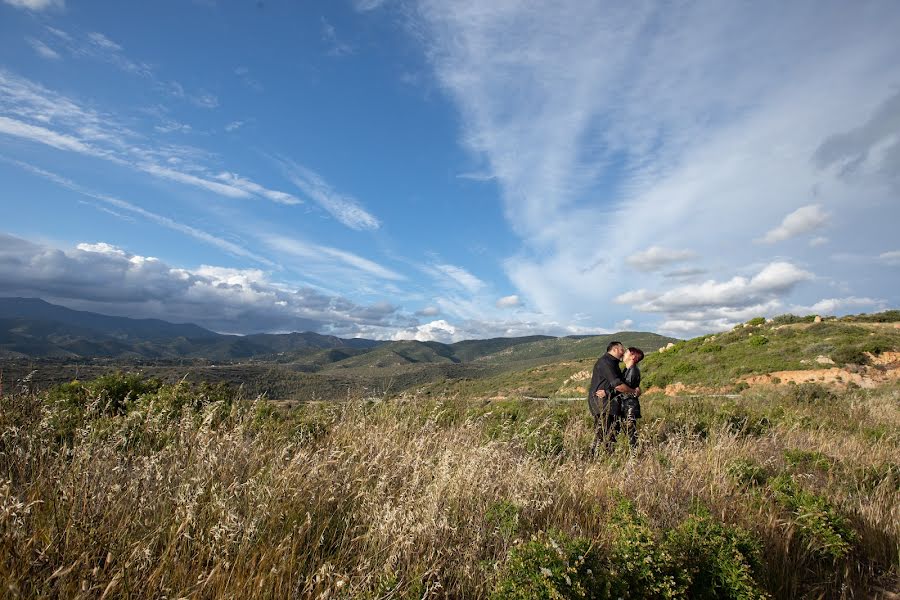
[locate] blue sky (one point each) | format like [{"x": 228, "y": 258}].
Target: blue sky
[{"x": 450, "y": 170}]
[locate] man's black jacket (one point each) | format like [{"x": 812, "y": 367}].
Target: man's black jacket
[{"x": 607, "y": 375}]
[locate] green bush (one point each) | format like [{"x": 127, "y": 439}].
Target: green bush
[
  {"x": 813, "y": 393},
  {"x": 503, "y": 517},
  {"x": 746, "y": 472},
  {"x": 849, "y": 355},
  {"x": 720, "y": 561},
  {"x": 826, "y": 532},
  {"x": 759, "y": 340},
  {"x": 708, "y": 348},
  {"x": 756, "y": 321},
  {"x": 641, "y": 567},
  {"x": 807, "y": 459},
  {"x": 552, "y": 566}
]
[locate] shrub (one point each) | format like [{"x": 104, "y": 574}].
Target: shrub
[
  {"x": 759, "y": 340},
  {"x": 849, "y": 355},
  {"x": 813, "y": 393},
  {"x": 721, "y": 561},
  {"x": 640, "y": 567},
  {"x": 552, "y": 566},
  {"x": 746, "y": 472},
  {"x": 503, "y": 517},
  {"x": 826, "y": 532},
  {"x": 756, "y": 321},
  {"x": 807, "y": 459},
  {"x": 708, "y": 348}
]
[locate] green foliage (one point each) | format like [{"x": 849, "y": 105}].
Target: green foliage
[
  {"x": 640, "y": 566},
  {"x": 710, "y": 348},
  {"x": 757, "y": 321},
  {"x": 790, "y": 319},
  {"x": 747, "y": 472},
  {"x": 826, "y": 532},
  {"x": 807, "y": 459},
  {"x": 552, "y": 566},
  {"x": 813, "y": 393},
  {"x": 721, "y": 562},
  {"x": 759, "y": 340},
  {"x": 503, "y": 517},
  {"x": 888, "y": 316}
]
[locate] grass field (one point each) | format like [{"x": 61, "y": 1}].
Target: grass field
[{"x": 125, "y": 488}]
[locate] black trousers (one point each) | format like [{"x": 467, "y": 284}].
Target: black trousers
[{"x": 619, "y": 416}]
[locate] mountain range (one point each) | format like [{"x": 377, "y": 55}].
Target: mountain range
[{"x": 34, "y": 328}]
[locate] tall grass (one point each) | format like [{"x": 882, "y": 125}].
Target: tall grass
[{"x": 181, "y": 491}]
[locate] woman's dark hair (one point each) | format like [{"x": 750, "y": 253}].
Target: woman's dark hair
[{"x": 637, "y": 353}]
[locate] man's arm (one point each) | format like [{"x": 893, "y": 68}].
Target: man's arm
[{"x": 614, "y": 377}]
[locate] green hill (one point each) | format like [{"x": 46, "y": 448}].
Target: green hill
[{"x": 785, "y": 343}]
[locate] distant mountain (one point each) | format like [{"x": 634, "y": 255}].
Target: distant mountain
[{"x": 33, "y": 328}]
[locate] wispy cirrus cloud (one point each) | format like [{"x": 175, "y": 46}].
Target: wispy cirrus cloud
[
  {"x": 328, "y": 261},
  {"x": 112, "y": 201},
  {"x": 659, "y": 124},
  {"x": 31, "y": 112},
  {"x": 37, "y": 5},
  {"x": 97, "y": 46},
  {"x": 42, "y": 49},
  {"x": 342, "y": 207}
]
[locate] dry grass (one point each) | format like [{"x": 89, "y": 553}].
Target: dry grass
[{"x": 408, "y": 498}]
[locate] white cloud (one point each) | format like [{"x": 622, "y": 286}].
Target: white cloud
[
  {"x": 36, "y": 5},
  {"x": 104, "y": 278},
  {"x": 655, "y": 258},
  {"x": 636, "y": 132},
  {"x": 331, "y": 257},
  {"x": 831, "y": 306},
  {"x": 337, "y": 47},
  {"x": 66, "y": 125},
  {"x": 460, "y": 277},
  {"x": 803, "y": 220},
  {"x": 891, "y": 258},
  {"x": 428, "y": 311},
  {"x": 508, "y": 302},
  {"x": 624, "y": 324},
  {"x": 367, "y": 5},
  {"x": 435, "y": 331},
  {"x": 166, "y": 222},
  {"x": 103, "y": 42},
  {"x": 345, "y": 209},
  {"x": 234, "y": 126},
  {"x": 818, "y": 241},
  {"x": 712, "y": 305},
  {"x": 42, "y": 49}
]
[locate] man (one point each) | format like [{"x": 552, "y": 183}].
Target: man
[{"x": 603, "y": 403}]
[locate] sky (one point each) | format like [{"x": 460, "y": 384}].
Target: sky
[{"x": 448, "y": 170}]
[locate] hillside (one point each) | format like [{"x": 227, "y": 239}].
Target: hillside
[{"x": 856, "y": 349}]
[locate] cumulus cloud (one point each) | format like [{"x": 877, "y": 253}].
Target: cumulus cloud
[
  {"x": 712, "y": 305},
  {"x": 655, "y": 258},
  {"x": 831, "y": 306},
  {"x": 105, "y": 278},
  {"x": 803, "y": 220},
  {"x": 508, "y": 302},
  {"x": 342, "y": 207},
  {"x": 445, "y": 332}
]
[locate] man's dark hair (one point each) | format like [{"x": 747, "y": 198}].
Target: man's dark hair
[
  {"x": 637, "y": 353},
  {"x": 613, "y": 345}
]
